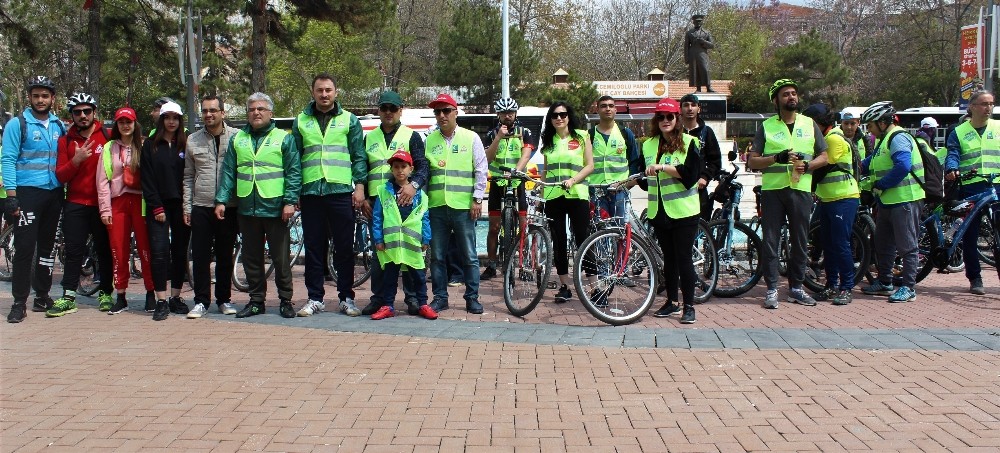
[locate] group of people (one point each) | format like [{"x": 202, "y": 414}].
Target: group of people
[{"x": 169, "y": 188}]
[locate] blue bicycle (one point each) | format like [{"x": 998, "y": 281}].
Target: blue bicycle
[{"x": 943, "y": 237}]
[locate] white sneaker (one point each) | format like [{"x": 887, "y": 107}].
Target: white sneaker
[
  {"x": 227, "y": 309},
  {"x": 348, "y": 308},
  {"x": 198, "y": 311},
  {"x": 312, "y": 307}
]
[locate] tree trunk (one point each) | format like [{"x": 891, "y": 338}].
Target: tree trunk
[
  {"x": 258, "y": 45},
  {"x": 96, "y": 52}
]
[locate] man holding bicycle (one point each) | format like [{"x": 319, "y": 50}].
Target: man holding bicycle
[{"x": 616, "y": 156}]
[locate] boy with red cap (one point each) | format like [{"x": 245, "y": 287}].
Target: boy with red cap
[{"x": 401, "y": 234}]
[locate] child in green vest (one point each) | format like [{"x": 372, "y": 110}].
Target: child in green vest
[{"x": 401, "y": 234}]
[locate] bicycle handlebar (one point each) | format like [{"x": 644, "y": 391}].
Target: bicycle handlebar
[
  {"x": 973, "y": 174},
  {"x": 518, "y": 174}
]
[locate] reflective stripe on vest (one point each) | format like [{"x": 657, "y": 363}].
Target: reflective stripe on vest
[
  {"x": 979, "y": 153},
  {"x": 378, "y": 153},
  {"x": 402, "y": 238},
  {"x": 262, "y": 168},
  {"x": 908, "y": 189},
  {"x": 508, "y": 154},
  {"x": 325, "y": 155},
  {"x": 777, "y": 139},
  {"x": 563, "y": 160},
  {"x": 839, "y": 184},
  {"x": 678, "y": 202},
  {"x": 452, "y": 169},
  {"x": 610, "y": 158}
]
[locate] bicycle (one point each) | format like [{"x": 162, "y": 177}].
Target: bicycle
[
  {"x": 364, "y": 251},
  {"x": 510, "y": 222},
  {"x": 528, "y": 263},
  {"x": 703, "y": 255},
  {"x": 295, "y": 249},
  {"x": 6, "y": 251},
  {"x": 737, "y": 246},
  {"x": 943, "y": 249}
]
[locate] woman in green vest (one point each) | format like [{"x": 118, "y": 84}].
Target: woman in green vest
[
  {"x": 672, "y": 166},
  {"x": 569, "y": 159}
]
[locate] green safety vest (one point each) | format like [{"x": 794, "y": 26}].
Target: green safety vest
[
  {"x": 402, "y": 238},
  {"x": 979, "y": 153},
  {"x": 777, "y": 139},
  {"x": 908, "y": 189},
  {"x": 841, "y": 184},
  {"x": 508, "y": 154},
  {"x": 678, "y": 202},
  {"x": 610, "y": 158},
  {"x": 857, "y": 146},
  {"x": 562, "y": 163},
  {"x": 262, "y": 168},
  {"x": 452, "y": 169},
  {"x": 379, "y": 152},
  {"x": 325, "y": 155},
  {"x": 109, "y": 170}
]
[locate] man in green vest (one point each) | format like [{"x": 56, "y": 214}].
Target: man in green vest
[
  {"x": 709, "y": 149},
  {"x": 850, "y": 127},
  {"x": 893, "y": 163},
  {"x": 334, "y": 174},
  {"x": 785, "y": 149},
  {"x": 262, "y": 171},
  {"x": 616, "y": 156},
  {"x": 974, "y": 146},
  {"x": 455, "y": 192}
]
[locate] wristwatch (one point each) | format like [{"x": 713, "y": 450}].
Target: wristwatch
[
  {"x": 416, "y": 185},
  {"x": 478, "y": 200}
]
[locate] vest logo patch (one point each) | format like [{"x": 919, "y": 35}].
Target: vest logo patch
[
  {"x": 438, "y": 149},
  {"x": 970, "y": 136},
  {"x": 573, "y": 145},
  {"x": 36, "y": 136},
  {"x": 780, "y": 135},
  {"x": 989, "y": 135},
  {"x": 798, "y": 133},
  {"x": 372, "y": 148}
]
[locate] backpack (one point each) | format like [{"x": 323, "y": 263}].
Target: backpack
[
  {"x": 24, "y": 128},
  {"x": 933, "y": 183}
]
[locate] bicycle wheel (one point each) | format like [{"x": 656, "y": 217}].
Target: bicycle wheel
[
  {"x": 616, "y": 294},
  {"x": 867, "y": 225},
  {"x": 6, "y": 252},
  {"x": 134, "y": 262},
  {"x": 89, "y": 273},
  {"x": 364, "y": 253},
  {"x": 295, "y": 243},
  {"x": 815, "y": 276},
  {"x": 508, "y": 231},
  {"x": 782, "y": 251},
  {"x": 739, "y": 264},
  {"x": 706, "y": 264},
  {"x": 987, "y": 239},
  {"x": 239, "y": 274},
  {"x": 526, "y": 271}
]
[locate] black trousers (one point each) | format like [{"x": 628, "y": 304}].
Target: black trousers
[
  {"x": 327, "y": 219},
  {"x": 79, "y": 222},
  {"x": 272, "y": 230},
  {"x": 578, "y": 212},
  {"x": 211, "y": 237},
  {"x": 168, "y": 246},
  {"x": 676, "y": 239},
  {"x": 35, "y": 235}
]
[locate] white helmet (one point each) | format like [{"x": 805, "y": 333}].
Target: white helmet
[
  {"x": 879, "y": 111},
  {"x": 81, "y": 98},
  {"x": 505, "y": 105}
]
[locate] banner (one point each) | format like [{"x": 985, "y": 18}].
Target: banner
[
  {"x": 646, "y": 89},
  {"x": 972, "y": 47}
]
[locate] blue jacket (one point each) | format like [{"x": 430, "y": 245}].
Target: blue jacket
[
  {"x": 404, "y": 212},
  {"x": 34, "y": 164}
]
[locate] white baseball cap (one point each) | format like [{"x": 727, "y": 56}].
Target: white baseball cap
[
  {"x": 171, "y": 107},
  {"x": 928, "y": 122}
]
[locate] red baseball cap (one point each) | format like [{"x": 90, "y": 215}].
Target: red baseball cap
[
  {"x": 444, "y": 99},
  {"x": 125, "y": 112},
  {"x": 401, "y": 155},
  {"x": 667, "y": 105}
]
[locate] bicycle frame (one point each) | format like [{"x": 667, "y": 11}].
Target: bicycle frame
[{"x": 984, "y": 200}]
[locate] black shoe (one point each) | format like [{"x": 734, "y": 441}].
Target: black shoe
[
  {"x": 252, "y": 309},
  {"x": 688, "y": 316},
  {"x": 473, "y": 307},
  {"x": 17, "y": 313},
  {"x": 438, "y": 305},
  {"x": 119, "y": 306},
  {"x": 488, "y": 273},
  {"x": 412, "y": 309},
  {"x": 825, "y": 295},
  {"x": 285, "y": 309},
  {"x": 150, "y": 301},
  {"x": 41, "y": 304},
  {"x": 667, "y": 309},
  {"x": 161, "y": 311},
  {"x": 177, "y": 306},
  {"x": 563, "y": 295},
  {"x": 599, "y": 298},
  {"x": 371, "y": 308}
]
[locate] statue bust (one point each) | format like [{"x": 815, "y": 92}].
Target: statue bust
[{"x": 697, "y": 41}]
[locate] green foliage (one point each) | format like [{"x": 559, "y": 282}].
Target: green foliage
[{"x": 579, "y": 94}]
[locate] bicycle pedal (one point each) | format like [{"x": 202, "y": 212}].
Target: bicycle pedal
[{"x": 550, "y": 285}]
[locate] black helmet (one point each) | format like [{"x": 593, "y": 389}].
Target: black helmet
[
  {"x": 41, "y": 82},
  {"x": 81, "y": 98}
]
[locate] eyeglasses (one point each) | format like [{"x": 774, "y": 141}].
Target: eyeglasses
[
  {"x": 560, "y": 115},
  {"x": 985, "y": 104},
  {"x": 446, "y": 111},
  {"x": 390, "y": 108},
  {"x": 207, "y": 111},
  {"x": 82, "y": 112},
  {"x": 258, "y": 109},
  {"x": 665, "y": 117},
  {"x": 606, "y": 106}
]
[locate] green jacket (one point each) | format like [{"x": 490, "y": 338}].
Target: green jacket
[
  {"x": 356, "y": 145},
  {"x": 254, "y": 205}
]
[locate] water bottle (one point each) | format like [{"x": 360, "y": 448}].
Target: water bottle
[{"x": 953, "y": 228}]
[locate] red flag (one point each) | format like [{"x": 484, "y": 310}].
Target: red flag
[{"x": 88, "y": 4}]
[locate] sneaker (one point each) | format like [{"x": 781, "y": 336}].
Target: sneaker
[
  {"x": 348, "y": 308},
  {"x": 150, "y": 301},
  {"x": 427, "y": 312},
  {"x": 843, "y": 297},
  {"x": 976, "y": 287},
  {"x": 488, "y": 273},
  {"x": 878, "y": 289},
  {"x": 628, "y": 282},
  {"x": 383, "y": 312},
  {"x": 599, "y": 298},
  {"x": 104, "y": 301},
  {"x": 771, "y": 299},
  {"x": 61, "y": 307},
  {"x": 474, "y": 307},
  {"x": 825, "y": 295},
  {"x": 454, "y": 283},
  {"x": 177, "y": 305},
  {"x": 17, "y": 313},
  {"x": 120, "y": 305},
  {"x": 198, "y": 311},
  {"x": 414, "y": 310},
  {"x": 903, "y": 294},
  {"x": 667, "y": 309},
  {"x": 688, "y": 316},
  {"x": 799, "y": 296},
  {"x": 371, "y": 308},
  {"x": 227, "y": 308},
  {"x": 563, "y": 295},
  {"x": 439, "y": 305},
  {"x": 311, "y": 308},
  {"x": 285, "y": 309},
  {"x": 252, "y": 309},
  {"x": 42, "y": 304},
  {"x": 162, "y": 310}
]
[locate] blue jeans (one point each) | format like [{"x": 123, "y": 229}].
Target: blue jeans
[
  {"x": 836, "y": 220},
  {"x": 444, "y": 221},
  {"x": 613, "y": 202},
  {"x": 970, "y": 250}
]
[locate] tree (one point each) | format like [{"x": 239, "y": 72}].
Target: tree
[{"x": 578, "y": 93}]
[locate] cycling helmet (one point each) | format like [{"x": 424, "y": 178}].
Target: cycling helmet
[
  {"x": 505, "y": 105},
  {"x": 79, "y": 99},
  {"x": 41, "y": 82},
  {"x": 778, "y": 85},
  {"x": 881, "y": 111}
]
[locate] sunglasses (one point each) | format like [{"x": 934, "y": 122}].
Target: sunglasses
[
  {"x": 606, "y": 106},
  {"x": 560, "y": 115},
  {"x": 258, "y": 109},
  {"x": 390, "y": 108},
  {"x": 82, "y": 112},
  {"x": 446, "y": 111},
  {"x": 669, "y": 117}
]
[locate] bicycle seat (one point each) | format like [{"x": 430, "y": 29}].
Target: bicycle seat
[{"x": 958, "y": 208}]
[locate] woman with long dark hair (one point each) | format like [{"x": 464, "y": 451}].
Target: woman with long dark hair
[
  {"x": 569, "y": 159},
  {"x": 672, "y": 167},
  {"x": 162, "y": 163}
]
